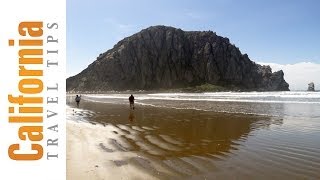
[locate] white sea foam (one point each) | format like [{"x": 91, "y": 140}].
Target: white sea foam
[
  {"x": 293, "y": 103},
  {"x": 249, "y": 97}
]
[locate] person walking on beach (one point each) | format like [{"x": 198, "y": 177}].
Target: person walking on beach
[
  {"x": 131, "y": 101},
  {"x": 78, "y": 98}
]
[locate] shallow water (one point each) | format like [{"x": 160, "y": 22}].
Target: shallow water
[{"x": 212, "y": 135}]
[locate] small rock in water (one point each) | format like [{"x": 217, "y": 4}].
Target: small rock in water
[{"x": 311, "y": 86}]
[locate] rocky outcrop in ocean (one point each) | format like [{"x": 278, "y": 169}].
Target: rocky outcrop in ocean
[
  {"x": 162, "y": 57},
  {"x": 311, "y": 87}
]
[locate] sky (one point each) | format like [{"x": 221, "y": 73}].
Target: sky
[{"x": 272, "y": 31}]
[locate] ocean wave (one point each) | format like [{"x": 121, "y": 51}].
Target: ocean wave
[{"x": 248, "y": 97}]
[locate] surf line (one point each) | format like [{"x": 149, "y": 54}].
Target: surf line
[{"x": 26, "y": 108}]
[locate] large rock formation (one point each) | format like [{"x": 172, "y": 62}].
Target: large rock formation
[
  {"x": 166, "y": 57},
  {"x": 311, "y": 86}
]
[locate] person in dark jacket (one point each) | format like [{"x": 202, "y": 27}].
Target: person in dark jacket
[
  {"x": 78, "y": 98},
  {"x": 131, "y": 101}
]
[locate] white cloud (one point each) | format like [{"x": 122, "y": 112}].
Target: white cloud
[{"x": 298, "y": 75}]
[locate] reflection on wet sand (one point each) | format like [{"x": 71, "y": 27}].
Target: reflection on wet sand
[
  {"x": 169, "y": 143},
  {"x": 131, "y": 115}
]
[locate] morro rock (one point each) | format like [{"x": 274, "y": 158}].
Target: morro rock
[{"x": 162, "y": 57}]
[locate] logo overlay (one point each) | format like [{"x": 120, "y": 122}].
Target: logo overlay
[{"x": 32, "y": 95}]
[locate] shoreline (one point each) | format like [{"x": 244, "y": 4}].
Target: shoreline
[{"x": 110, "y": 141}]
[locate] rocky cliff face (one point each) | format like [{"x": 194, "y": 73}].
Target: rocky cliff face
[{"x": 166, "y": 57}]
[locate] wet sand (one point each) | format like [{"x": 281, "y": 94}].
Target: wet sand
[
  {"x": 110, "y": 141},
  {"x": 91, "y": 155}
]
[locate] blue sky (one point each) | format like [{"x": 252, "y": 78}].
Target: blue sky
[{"x": 275, "y": 31}]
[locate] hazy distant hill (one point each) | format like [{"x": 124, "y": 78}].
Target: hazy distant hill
[{"x": 161, "y": 57}]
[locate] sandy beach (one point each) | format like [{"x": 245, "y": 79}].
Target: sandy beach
[
  {"x": 106, "y": 140},
  {"x": 98, "y": 150},
  {"x": 89, "y": 156},
  {"x": 129, "y": 150}
]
